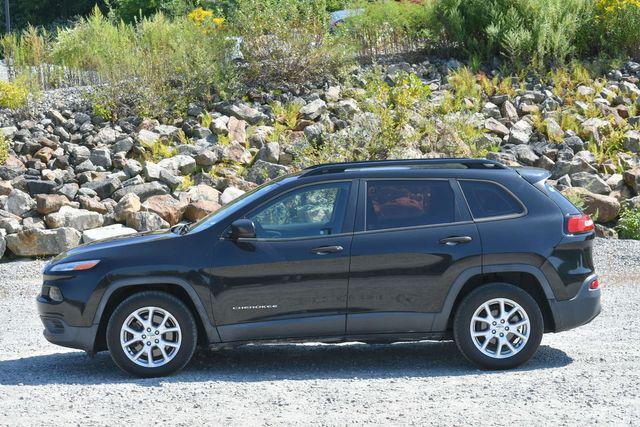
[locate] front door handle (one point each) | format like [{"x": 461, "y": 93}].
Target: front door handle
[
  {"x": 324, "y": 250},
  {"x": 454, "y": 240}
]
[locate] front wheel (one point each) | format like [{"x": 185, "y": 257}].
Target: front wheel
[
  {"x": 498, "y": 326},
  {"x": 151, "y": 334}
]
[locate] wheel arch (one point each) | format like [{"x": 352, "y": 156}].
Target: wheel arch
[
  {"x": 527, "y": 277},
  {"x": 123, "y": 289}
]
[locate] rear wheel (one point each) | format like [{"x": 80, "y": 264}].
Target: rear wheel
[
  {"x": 151, "y": 334},
  {"x": 498, "y": 326}
]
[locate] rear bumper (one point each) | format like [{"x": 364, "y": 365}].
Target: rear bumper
[{"x": 579, "y": 310}]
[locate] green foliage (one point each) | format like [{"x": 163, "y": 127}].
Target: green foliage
[
  {"x": 206, "y": 119},
  {"x": 287, "y": 41},
  {"x": 159, "y": 150},
  {"x": 14, "y": 94},
  {"x": 617, "y": 29},
  {"x": 387, "y": 26},
  {"x": 287, "y": 114},
  {"x": 187, "y": 183},
  {"x": 576, "y": 199},
  {"x": 629, "y": 224},
  {"x": 130, "y": 10},
  {"x": 524, "y": 31},
  {"x": 4, "y": 149}
]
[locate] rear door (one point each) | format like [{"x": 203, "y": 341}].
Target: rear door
[
  {"x": 291, "y": 280},
  {"x": 413, "y": 238}
]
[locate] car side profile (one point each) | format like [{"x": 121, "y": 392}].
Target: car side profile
[{"x": 377, "y": 252}]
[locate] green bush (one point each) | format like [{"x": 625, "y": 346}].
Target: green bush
[
  {"x": 617, "y": 29},
  {"x": 389, "y": 27},
  {"x": 4, "y": 149},
  {"x": 540, "y": 32},
  {"x": 14, "y": 94},
  {"x": 287, "y": 41},
  {"x": 629, "y": 224}
]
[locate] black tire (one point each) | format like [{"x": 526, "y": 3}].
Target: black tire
[
  {"x": 165, "y": 301},
  {"x": 463, "y": 318}
]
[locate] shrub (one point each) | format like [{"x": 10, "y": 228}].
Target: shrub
[
  {"x": 629, "y": 224},
  {"x": 617, "y": 26},
  {"x": 389, "y": 27},
  {"x": 130, "y": 10},
  {"x": 537, "y": 31},
  {"x": 4, "y": 149},
  {"x": 14, "y": 94},
  {"x": 287, "y": 41}
]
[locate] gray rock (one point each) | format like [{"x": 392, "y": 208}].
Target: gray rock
[
  {"x": 181, "y": 164},
  {"x": 106, "y": 136},
  {"x": 123, "y": 145},
  {"x": 169, "y": 179},
  {"x": 244, "y": 112},
  {"x": 101, "y": 157},
  {"x": 491, "y": 110},
  {"x": 146, "y": 221},
  {"x": 631, "y": 141},
  {"x": 10, "y": 222},
  {"x": 230, "y": 194},
  {"x": 108, "y": 232},
  {"x": 143, "y": 191},
  {"x": 262, "y": 171},
  {"x": 104, "y": 187},
  {"x": 79, "y": 219},
  {"x": 270, "y": 152},
  {"x": 19, "y": 203},
  {"x": 70, "y": 190},
  {"x": 591, "y": 182},
  {"x": 492, "y": 125},
  {"x": 128, "y": 204},
  {"x": 86, "y": 166},
  {"x": 207, "y": 158},
  {"x": 518, "y": 137},
  {"x": 132, "y": 168},
  {"x": 509, "y": 112},
  {"x": 3, "y": 245},
  {"x": 525, "y": 155},
  {"x": 313, "y": 110},
  {"x": 39, "y": 242}
]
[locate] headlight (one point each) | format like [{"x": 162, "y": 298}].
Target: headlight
[{"x": 75, "y": 266}]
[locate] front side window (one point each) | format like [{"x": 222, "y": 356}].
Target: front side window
[
  {"x": 487, "y": 200},
  {"x": 311, "y": 211},
  {"x": 408, "y": 203}
]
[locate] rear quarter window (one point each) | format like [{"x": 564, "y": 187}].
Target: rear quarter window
[
  {"x": 488, "y": 200},
  {"x": 565, "y": 205}
]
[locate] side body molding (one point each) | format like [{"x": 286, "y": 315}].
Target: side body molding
[
  {"x": 441, "y": 319},
  {"x": 210, "y": 329}
]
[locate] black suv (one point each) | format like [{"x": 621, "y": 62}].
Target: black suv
[{"x": 377, "y": 252}]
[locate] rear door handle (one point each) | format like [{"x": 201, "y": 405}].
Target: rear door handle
[
  {"x": 324, "y": 250},
  {"x": 454, "y": 240}
]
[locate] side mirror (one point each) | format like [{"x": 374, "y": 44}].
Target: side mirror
[{"x": 242, "y": 229}]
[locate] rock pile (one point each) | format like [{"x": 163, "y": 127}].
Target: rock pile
[{"x": 72, "y": 177}]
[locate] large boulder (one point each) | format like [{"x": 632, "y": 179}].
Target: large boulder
[
  {"x": 203, "y": 192},
  {"x": 80, "y": 219},
  {"x": 229, "y": 194},
  {"x": 591, "y": 182},
  {"x": 128, "y": 204},
  {"x": 198, "y": 210},
  {"x": 601, "y": 208},
  {"x": 42, "y": 242},
  {"x": 262, "y": 171},
  {"x": 146, "y": 221},
  {"x": 167, "y": 207},
  {"x": 143, "y": 191},
  {"x": 104, "y": 187},
  {"x": 108, "y": 232},
  {"x": 19, "y": 203},
  {"x": 49, "y": 203},
  {"x": 9, "y": 222}
]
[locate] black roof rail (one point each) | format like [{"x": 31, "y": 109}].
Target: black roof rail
[{"x": 408, "y": 163}]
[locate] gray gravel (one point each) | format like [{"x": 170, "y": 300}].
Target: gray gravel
[{"x": 581, "y": 377}]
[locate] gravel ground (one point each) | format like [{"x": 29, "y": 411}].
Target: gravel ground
[{"x": 582, "y": 377}]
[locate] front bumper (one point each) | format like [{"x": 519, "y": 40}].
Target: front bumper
[
  {"x": 58, "y": 332},
  {"x": 579, "y": 310}
]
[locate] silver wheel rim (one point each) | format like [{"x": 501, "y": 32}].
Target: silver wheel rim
[
  {"x": 500, "y": 328},
  {"x": 150, "y": 337}
]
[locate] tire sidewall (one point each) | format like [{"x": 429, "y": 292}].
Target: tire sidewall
[
  {"x": 475, "y": 299},
  {"x": 162, "y": 300}
]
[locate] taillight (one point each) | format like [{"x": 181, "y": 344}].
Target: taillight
[
  {"x": 580, "y": 224},
  {"x": 594, "y": 285}
]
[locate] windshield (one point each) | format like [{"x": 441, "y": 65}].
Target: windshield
[{"x": 235, "y": 205}]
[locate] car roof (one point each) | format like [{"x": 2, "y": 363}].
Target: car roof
[{"x": 442, "y": 167}]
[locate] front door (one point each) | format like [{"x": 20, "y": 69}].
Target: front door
[
  {"x": 291, "y": 280},
  {"x": 412, "y": 241}
]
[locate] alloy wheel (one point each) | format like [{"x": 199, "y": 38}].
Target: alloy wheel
[
  {"x": 150, "y": 337},
  {"x": 500, "y": 328}
]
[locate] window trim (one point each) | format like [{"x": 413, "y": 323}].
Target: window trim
[
  {"x": 350, "y": 205},
  {"x": 524, "y": 212},
  {"x": 365, "y": 188}
]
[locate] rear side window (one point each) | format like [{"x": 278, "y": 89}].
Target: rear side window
[
  {"x": 487, "y": 200},
  {"x": 408, "y": 203}
]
